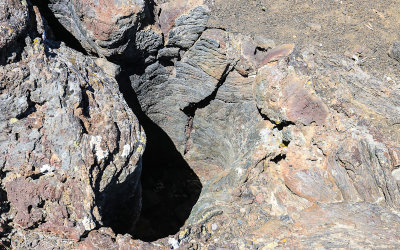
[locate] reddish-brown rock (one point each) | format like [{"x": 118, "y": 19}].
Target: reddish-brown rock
[{"x": 104, "y": 28}]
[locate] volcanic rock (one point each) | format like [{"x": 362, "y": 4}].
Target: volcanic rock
[
  {"x": 71, "y": 147},
  {"x": 270, "y": 142},
  {"x": 13, "y": 24},
  {"x": 294, "y": 147},
  {"x": 108, "y": 29}
]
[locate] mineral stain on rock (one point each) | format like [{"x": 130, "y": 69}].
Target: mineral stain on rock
[{"x": 149, "y": 124}]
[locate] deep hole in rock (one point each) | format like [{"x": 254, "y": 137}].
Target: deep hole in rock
[
  {"x": 170, "y": 188},
  {"x": 119, "y": 203},
  {"x": 284, "y": 124},
  {"x": 286, "y": 143}
]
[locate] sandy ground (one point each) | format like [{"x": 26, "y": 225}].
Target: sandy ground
[{"x": 366, "y": 28}]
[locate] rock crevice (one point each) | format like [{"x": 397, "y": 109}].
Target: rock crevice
[{"x": 247, "y": 143}]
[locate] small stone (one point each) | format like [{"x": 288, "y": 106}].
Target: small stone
[
  {"x": 314, "y": 26},
  {"x": 88, "y": 223}
]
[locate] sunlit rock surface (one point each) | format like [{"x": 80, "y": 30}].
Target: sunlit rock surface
[{"x": 294, "y": 148}]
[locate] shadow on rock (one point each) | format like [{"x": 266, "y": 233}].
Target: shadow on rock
[
  {"x": 121, "y": 203},
  {"x": 170, "y": 188},
  {"x": 57, "y": 32}
]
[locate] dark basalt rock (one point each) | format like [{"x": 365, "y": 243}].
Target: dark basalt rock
[
  {"x": 110, "y": 29},
  {"x": 71, "y": 147},
  {"x": 251, "y": 144},
  {"x": 13, "y": 25}
]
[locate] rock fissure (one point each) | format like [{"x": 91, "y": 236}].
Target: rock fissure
[
  {"x": 190, "y": 110},
  {"x": 167, "y": 180},
  {"x": 235, "y": 126},
  {"x": 278, "y": 158},
  {"x": 280, "y": 125}
]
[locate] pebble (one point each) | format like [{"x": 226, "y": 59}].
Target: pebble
[{"x": 314, "y": 26}]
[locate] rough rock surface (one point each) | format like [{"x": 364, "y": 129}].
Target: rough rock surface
[
  {"x": 294, "y": 147},
  {"x": 291, "y": 146},
  {"x": 13, "y": 23},
  {"x": 108, "y": 28},
  {"x": 70, "y": 148}
]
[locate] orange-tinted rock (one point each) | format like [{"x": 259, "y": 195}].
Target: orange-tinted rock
[
  {"x": 302, "y": 106},
  {"x": 105, "y": 28}
]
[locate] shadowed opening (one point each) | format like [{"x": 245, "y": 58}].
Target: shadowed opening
[{"x": 170, "y": 188}]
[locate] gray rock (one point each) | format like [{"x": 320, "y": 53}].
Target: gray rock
[
  {"x": 71, "y": 146},
  {"x": 13, "y": 25},
  {"x": 168, "y": 53},
  {"x": 104, "y": 30},
  {"x": 188, "y": 28}
]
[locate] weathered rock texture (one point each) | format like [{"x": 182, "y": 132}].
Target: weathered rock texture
[
  {"x": 70, "y": 148},
  {"x": 13, "y": 24},
  {"x": 290, "y": 146},
  {"x": 109, "y": 28},
  {"x": 294, "y": 149}
]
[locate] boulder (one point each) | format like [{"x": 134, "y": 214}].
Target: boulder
[{"x": 109, "y": 29}]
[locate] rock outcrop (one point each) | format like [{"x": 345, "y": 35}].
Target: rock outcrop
[
  {"x": 279, "y": 138},
  {"x": 70, "y": 147},
  {"x": 293, "y": 148},
  {"x": 109, "y": 29}
]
